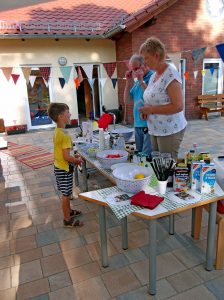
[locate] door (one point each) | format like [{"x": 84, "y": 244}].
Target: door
[
  {"x": 213, "y": 79},
  {"x": 39, "y": 96},
  {"x": 89, "y": 96}
]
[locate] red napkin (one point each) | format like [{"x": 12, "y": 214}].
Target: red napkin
[
  {"x": 105, "y": 120},
  {"x": 146, "y": 200}
]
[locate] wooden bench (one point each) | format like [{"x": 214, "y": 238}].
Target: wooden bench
[
  {"x": 220, "y": 234},
  {"x": 210, "y": 103}
]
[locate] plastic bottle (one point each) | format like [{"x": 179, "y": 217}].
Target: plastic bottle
[
  {"x": 106, "y": 140},
  {"x": 101, "y": 139}
]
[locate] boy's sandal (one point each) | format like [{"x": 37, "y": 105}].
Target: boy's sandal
[
  {"x": 72, "y": 223},
  {"x": 71, "y": 197},
  {"x": 75, "y": 213}
]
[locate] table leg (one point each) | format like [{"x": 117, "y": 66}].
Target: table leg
[
  {"x": 103, "y": 236},
  {"x": 152, "y": 257},
  {"x": 192, "y": 221},
  {"x": 171, "y": 224},
  {"x": 124, "y": 228},
  {"x": 211, "y": 236},
  {"x": 84, "y": 174},
  {"x": 76, "y": 176}
]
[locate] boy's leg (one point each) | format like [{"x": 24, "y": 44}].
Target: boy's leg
[{"x": 66, "y": 207}]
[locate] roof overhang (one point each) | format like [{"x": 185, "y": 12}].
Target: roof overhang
[{"x": 141, "y": 17}]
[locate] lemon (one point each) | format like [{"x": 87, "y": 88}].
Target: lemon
[{"x": 139, "y": 176}]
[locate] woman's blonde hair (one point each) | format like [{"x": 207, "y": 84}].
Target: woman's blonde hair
[{"x": 153, "y": 45}]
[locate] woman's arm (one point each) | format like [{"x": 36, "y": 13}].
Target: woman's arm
[{"x": 175, "y": 94}]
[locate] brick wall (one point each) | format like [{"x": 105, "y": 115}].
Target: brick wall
[{"x": 184, "y": 26}]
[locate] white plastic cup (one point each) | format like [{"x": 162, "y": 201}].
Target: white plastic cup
[{"x": 161, "y": 187}]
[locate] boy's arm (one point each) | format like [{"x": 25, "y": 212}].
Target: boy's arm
[{"x": 76, "y": 159}]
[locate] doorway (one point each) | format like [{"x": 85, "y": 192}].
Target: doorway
[
  {"x": 38, "y": 101},
  {"x": 89, "y": 97}
]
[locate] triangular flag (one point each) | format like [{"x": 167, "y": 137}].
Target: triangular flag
[
  {"x": 80, "y": 75},
  {"x": 175, "y": 57},
  {"x": 62, "y": 81},
  {"x": 77, "y": 83},
  {"x": 102, "y": 82},
  {"x": 45, "y": 72},
  {"x": 110, "y": 67},
  {"x": 75, "y": 73},
  {"x": 26, "y": 73},
  {"x": 15, "y": 77},
  {"x": 203, "y": 72},
  {"x": 197, "y": 54},
  {"x": 91, "y": 82},
  {"x": 7, "y": 72},
  {"x": 186, "y": 75},
  {"x": 114, "y": 81},
  {"x": 212, "y": 70},
  {"x": 88, "y": 69},
  {"x": 220, "y": 49},
  {"x": 32, "y": 80},
  {"x": 66, "y": 71},
  {"x": 195, "y": 74},
  {"x": 46, "y": 83}
]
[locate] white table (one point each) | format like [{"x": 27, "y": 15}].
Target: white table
[{"x": 161, "y": 210}]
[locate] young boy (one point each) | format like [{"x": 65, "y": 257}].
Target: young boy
[{"x": 64, "y": 161}]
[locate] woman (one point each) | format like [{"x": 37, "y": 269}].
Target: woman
[{"x": 163, "y": 100}]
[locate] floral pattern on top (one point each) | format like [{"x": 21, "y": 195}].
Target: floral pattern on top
[{"x": 156, "y": 94}]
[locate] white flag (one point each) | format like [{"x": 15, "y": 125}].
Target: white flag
[
  {"x": 102, "y": 82},
  {"x": 88, "y": 69},
  {"x": 32, "y": 79},
  {"x": 175, "y": 57},
  {"x": 195, "y": 74}
]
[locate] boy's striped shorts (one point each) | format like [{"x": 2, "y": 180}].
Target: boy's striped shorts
[{"x": 64, "y": 181}]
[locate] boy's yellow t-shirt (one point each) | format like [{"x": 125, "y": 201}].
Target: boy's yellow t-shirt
[{"x": 61, "y": 140}]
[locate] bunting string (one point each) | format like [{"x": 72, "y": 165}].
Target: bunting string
[{"x": 197, "y": 55}]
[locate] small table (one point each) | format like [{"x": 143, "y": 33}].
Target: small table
[{"x": 163, "y": 209}]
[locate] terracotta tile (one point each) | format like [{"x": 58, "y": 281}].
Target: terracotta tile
[
  {"x": 9, "y": 294},
  {"x": 44, "y": 227},
  {"x": 120, "y": 281},
  {"x": 184, "y": 280},
  {"x": 67, "y": 293},
  {"x": 89, "y": 226},
  {"x": 19, "y": 223},
  {"x": 199, "y": 292},
  {"x": 95, "y": 252},
  {"x": 26, "y": 256},
  {"x": 4, "y": 248},
  {"x": 92, "y": 237},
  {"x": 51, "y": 249},
  {"x": 53, "y": 264},
  {"x": 72, "y": 243},
  {"x": 76, "y": 257},
  {"x": 5, "y": 282},
  {"x": 6, "y": 262},
  {"x": 5, "y": 236},
  {"x": 33, "y": 289},
  {"x": 59, "y": 281},
  {"x": 24, "y": 232},
  {"x": 26, "y": 272},
  {"x": 84, "y": 272},
  {"x": 23, "y": 244},
  {"x": 92, "y": 288}
]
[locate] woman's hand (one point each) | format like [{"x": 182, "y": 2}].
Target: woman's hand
[{"x": 145, "y": 110}]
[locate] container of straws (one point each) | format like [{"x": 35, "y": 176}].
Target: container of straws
[{"x": 163, "y": 166}]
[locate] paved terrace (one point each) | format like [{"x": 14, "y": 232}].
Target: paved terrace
[{"x": 39, "y": 259}]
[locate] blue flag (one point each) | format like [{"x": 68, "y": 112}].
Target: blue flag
[
  {"x": 62, "y": 82},
  {"x": 220, "y": 49},
  {"x": 197, "y": 54}
]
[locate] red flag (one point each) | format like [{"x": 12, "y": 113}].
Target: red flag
[
  {"x": 80, "y": 75},
  {"x": 7, "y": 71},
  {"x": 186, "y": 75},
  {"x": 77, "y": 83},
  {"x": 45, "y": 72},
  {"x": 110, "y": 67},
  {"x": 15, "y": 77}
]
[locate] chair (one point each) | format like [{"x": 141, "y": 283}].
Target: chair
[{"x": 220, "y": 234}]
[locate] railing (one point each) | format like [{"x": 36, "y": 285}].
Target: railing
[{"x": 49, "y": 26}]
